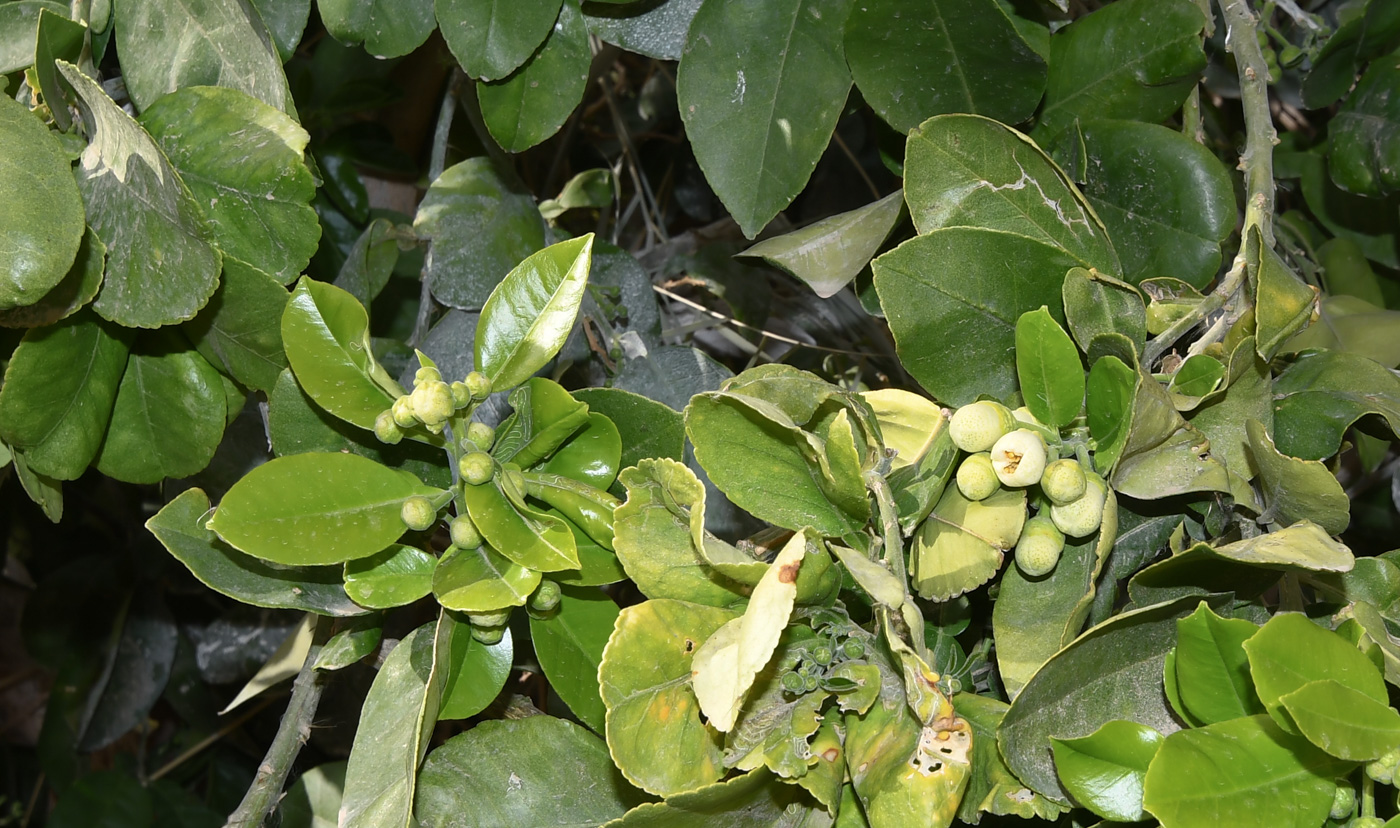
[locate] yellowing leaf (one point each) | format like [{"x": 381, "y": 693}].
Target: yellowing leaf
[{"x": 908, "y": 422}]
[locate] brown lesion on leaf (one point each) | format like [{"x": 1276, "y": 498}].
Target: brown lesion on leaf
[
  {"x": 689, "y": 646},
  {"x": 787, "y": 573}
]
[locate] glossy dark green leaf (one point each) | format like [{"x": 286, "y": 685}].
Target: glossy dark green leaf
[
  {"x": 481, "y": 226},
  {"x": 569, "y": 644},
  {"x": 285, "y": 21},
  {"x": 531, "y": 312},
  {"x": 1373, "y": 227},
  {"x": 169, "y": 414},
  {"x": 492, "y": 38},
  {"x": 914, "y": 62},
  {"x": 161, "y": 267},
  {"x": 59, "y": 390},
  {"x": 760, "y": 90},
  {"x": 388, "y": 28},
  {"x": 316, "y": 508},
  {"x": 395, "y": 576},
  {"x": 355, "y": 640},
  {"x": 57, "y": 38},
  {"x": 648, "y": 428},
  {"x": 1363, "y": 146},
  {"x": 533, "y": 771},
  {"x": 475, "y": 674},
  {"x": 1290, "y": 651},
  {"x": 952, "y": 299},
  {"x": 1297, "y": 489},
  {"x": 1096, "y": 304},
  {"x": 258, "y": 199},
  {"x": 532, "y": 103},
  {"x": 1136, "y": 59},
  {"x": 240, "y": 330},
  {"x": 1048, "y": 369},
  {"x": 590, "y": 456},
  {"x": 1104, "y": 771},
  {"x": 482, "y": 580},
  {"x": 171, "y": 44},
  {"x": 828, "y": 254},
  {"x": 1212, "y": 671},
  {"x": 1244, "y": 771},
  {"x": 396, "y": 723},
  {"x": 75, "y": 290},
  {"x": 326, "y": 336},
  {"x": 1322, "y": 394},
  {"x": 969, "y": 171},
  {"x": 18, "y": 21},
  {"x": 41, "y": 211},
  {"x": 1113, "y": 671}
]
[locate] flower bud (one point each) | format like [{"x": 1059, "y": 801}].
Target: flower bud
[
  {"x": 488, "y": 635},
  {"x": 1038, "y": 550},
  {"x": 1343, "y": 801},
  {"x": 1018, "y": 458},
  {"x": 479, "y": 384},
  {"x": 1063, "y": 481},
  {"x": 432, "y": 402},
  {"x": 853, "y": 648},
  {"x": 489, "y": 619},
  {"x": 1081, "y": 518},
  {"x": 978, "y": 426},
  {"x": 464, "y": 533},
  {"x": 481, "y": 434},
  {"x": 425, "y": 375},
  {"x": 418, "y": 513},
  {"x": 546, "y": 597},
  {"x": 386, "y": 429},
  {"x": 403, "y": 412},
  {"x": 977, "y": 480},
  {"x": 476, "y": 467},
  {"x": 461, "y": 394}
]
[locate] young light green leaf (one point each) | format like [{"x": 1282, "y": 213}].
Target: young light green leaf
[
  {"x": 357, "y": 639},
  {"x": 161, "y": 268},
  {"x": 482, "y": 580},
  {"x": 1212, "y": 670},
  {"x": 1344, "y": 722},
  {"x": 316, "y": 508},
  {"x": 1284, "y": 303},
  {"x": 1302, "y": 546},
  {"x": 285, "y": 663},
  {"x": 388, "y": 28},
  {"x": 532, "y": 103},
  {"x": 770, "y": 78},
  {"x": 1289, "y": 651},
  {"x": 398, "y": 575},
  {"x": 41, "y": 211},
  {"x": 1097, "y": 304},
  {"x": 313, "y": 801},
  {"x": 529, "y": 315},
  {"x": 1105, "y": 770},
  {"x": 829, "y": 253},
  {"x": 1047, "y": 366},
  {"x": 569, "y": 644},
  {"x": 492, "y": 38},
  {"x": 529, "y": 538}
]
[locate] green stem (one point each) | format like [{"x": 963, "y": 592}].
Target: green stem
[
  {"x": 1260, "y": 135},
  {"x": 292, "y": 733},
  {"x": 1368, "y": 796},
  {"x": 1227, "y": 288},
  {"x": 889, "y": 523}
]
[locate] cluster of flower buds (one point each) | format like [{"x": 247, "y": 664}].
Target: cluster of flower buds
[{"x": 430, "y": 404}]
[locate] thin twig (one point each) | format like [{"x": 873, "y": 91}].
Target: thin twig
[
  {"x": 437, "y": 162},
  {"x": 841, "y": 144},
  {"x": 33, "y": 801},
  {"x": 729, "y": 320},
  {"x": 204, "y": 743},
  {"x": 1260, "y": 135}
]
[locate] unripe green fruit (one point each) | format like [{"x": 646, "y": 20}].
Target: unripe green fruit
[
  {"x": 1290, "y": 56},
  {"x": 432, "y": 402},
  {"x": 425, "y": 375},
  {"x": 1063, "y": 481},
  {"x": 978, "y": 426},
  {"x": 402, "y": 412},
  {"x": 386, "y": 429},
  {"x": 464, "y": 533},
  {"x": 461, "y": 394},
  {"x": 1343, "y": 801},
  {"x": 489, "y": 619},
  {"x": 479, "y": 384},
  {"x": 1018, "y": 458},
  {"x": 1081, "y": 518},
  {"x": 1038, "y": 550},
  {"x": 418, "y": 513},
  {"x": 1024, "y": 415},
  {"x": 977, "y": 480},
  {"x": 481, "y": 434},
  {"x": 476, "y": 467},
  {"x": 546, "y": 597},
  {"x": 488, "y": 635}
]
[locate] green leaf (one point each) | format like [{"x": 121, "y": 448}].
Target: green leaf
[
  {"x": 352, "y": 643},
  {"x": 1241, "y": 772},
  {"x": 1048, "y": 369},
  {"x": 1347, "y": 323},
  {"x": 532, "y": 103},
  {"x": 1344, "y": 722},
  {"x": 942, "y": 57},
  {"x": 963, "y": 542},
  {"x": 969, "y": 171},
  {"x": 1223, "y": 417},
  {"x": 952, "y": 299},
  {"x": 1302, "y": 546},
  {"x": 647, "y": 428},
  {"x": 1323, "y": 393},
  {"x": 240, "y": 330},
  {"x": 653, "y": 721},
  {"x": 46, "y": 492},
  {"x": 1096, "y": 304},
  {"x": 533, "y": 771},
  {"x": 1283, "y": 303},
  {"x": 59, "y": 390},
  {"x": 171, "y": 44},
  {"x": 656, "y": 29},
  {"x": 1104, "y": 771},
  {"x": 590, "y": 456},
  {"x": 388, "y": 28},
  {"x": 118, "y": 797},
  {"x": 760, "y": 89},
  {"x": 161, "y": 267},
  {"x": 57, "y": 38},
  {"x": 1373, "y": 227},
  {"x": 286, "y": 22},
  {"x": 1132, "y": 175},
  {"x": 1212, "y": 671},
  {"x": 569, "y": 644},
  {"x": 529, "y": 538},
  {"x": 76, "y": 289},
  {"x": 169, "y": 413},
  {"x": 1109, "y": 396},
  {"x": 531, "y": 312},
  {"x": 313, "y": 801},
  {"x": 1297, "y": 489},
  {"x": 393, "y": 577},
  {"x": 396, "y": 723},
  {"x": 481, "y": 224},
  {"x": 481, "y": 580},
  {"x": 258, "y": 199},
  {"x": 1366, "y": 34},
  {"x": 492, "y": 38},
  {"x": 1113, "y": 671},
  {"x": 598, "y": 565},
  {"x": 1362, "y": 145},
  {"x": 476, "y": 673},
  {"x": 753, "y": 800},
  {"x": 1135, "y": 59},
  {"x": 326, "y": 336},
  {"x": 41, "y": 211},
  {"x": 828, "y": 254},
  {"x": 590, "y": 188},
  {"x": 18, "y": 21},
  {"x": 316, "y": 508},
  {"x": 993, "y": 788},
  {"x": 1289, "y": 651}
]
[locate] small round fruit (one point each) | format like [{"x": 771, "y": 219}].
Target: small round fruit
[
  {"x": 432, "y": 402},
  {"x": 479, "y": 384},
  {"x": 977, "y": 427},
  {"x": 426, "y": 374},
  {"x": 464, "y": 533},
  {"x": 488, "y": 635},
  {"x": 1081, "y": 518},
  {"x": 1038, "y": 550},
  {"x": 1343, "y": 801},
  {"x": 461, "y": 394},
  {"x": 1063, "y": 481},
  {"x": 1018, "y": 458},
  {"x": 476, "y": 467},
  {"x": 386, "y": 429},
  {"x": 481, "y": 434},
  {"x": 977, "y": 480},
  {"x": 402, "y": 412},
  {"x": 546, "y": 596},
  {"x": 418, "y": 513}
]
